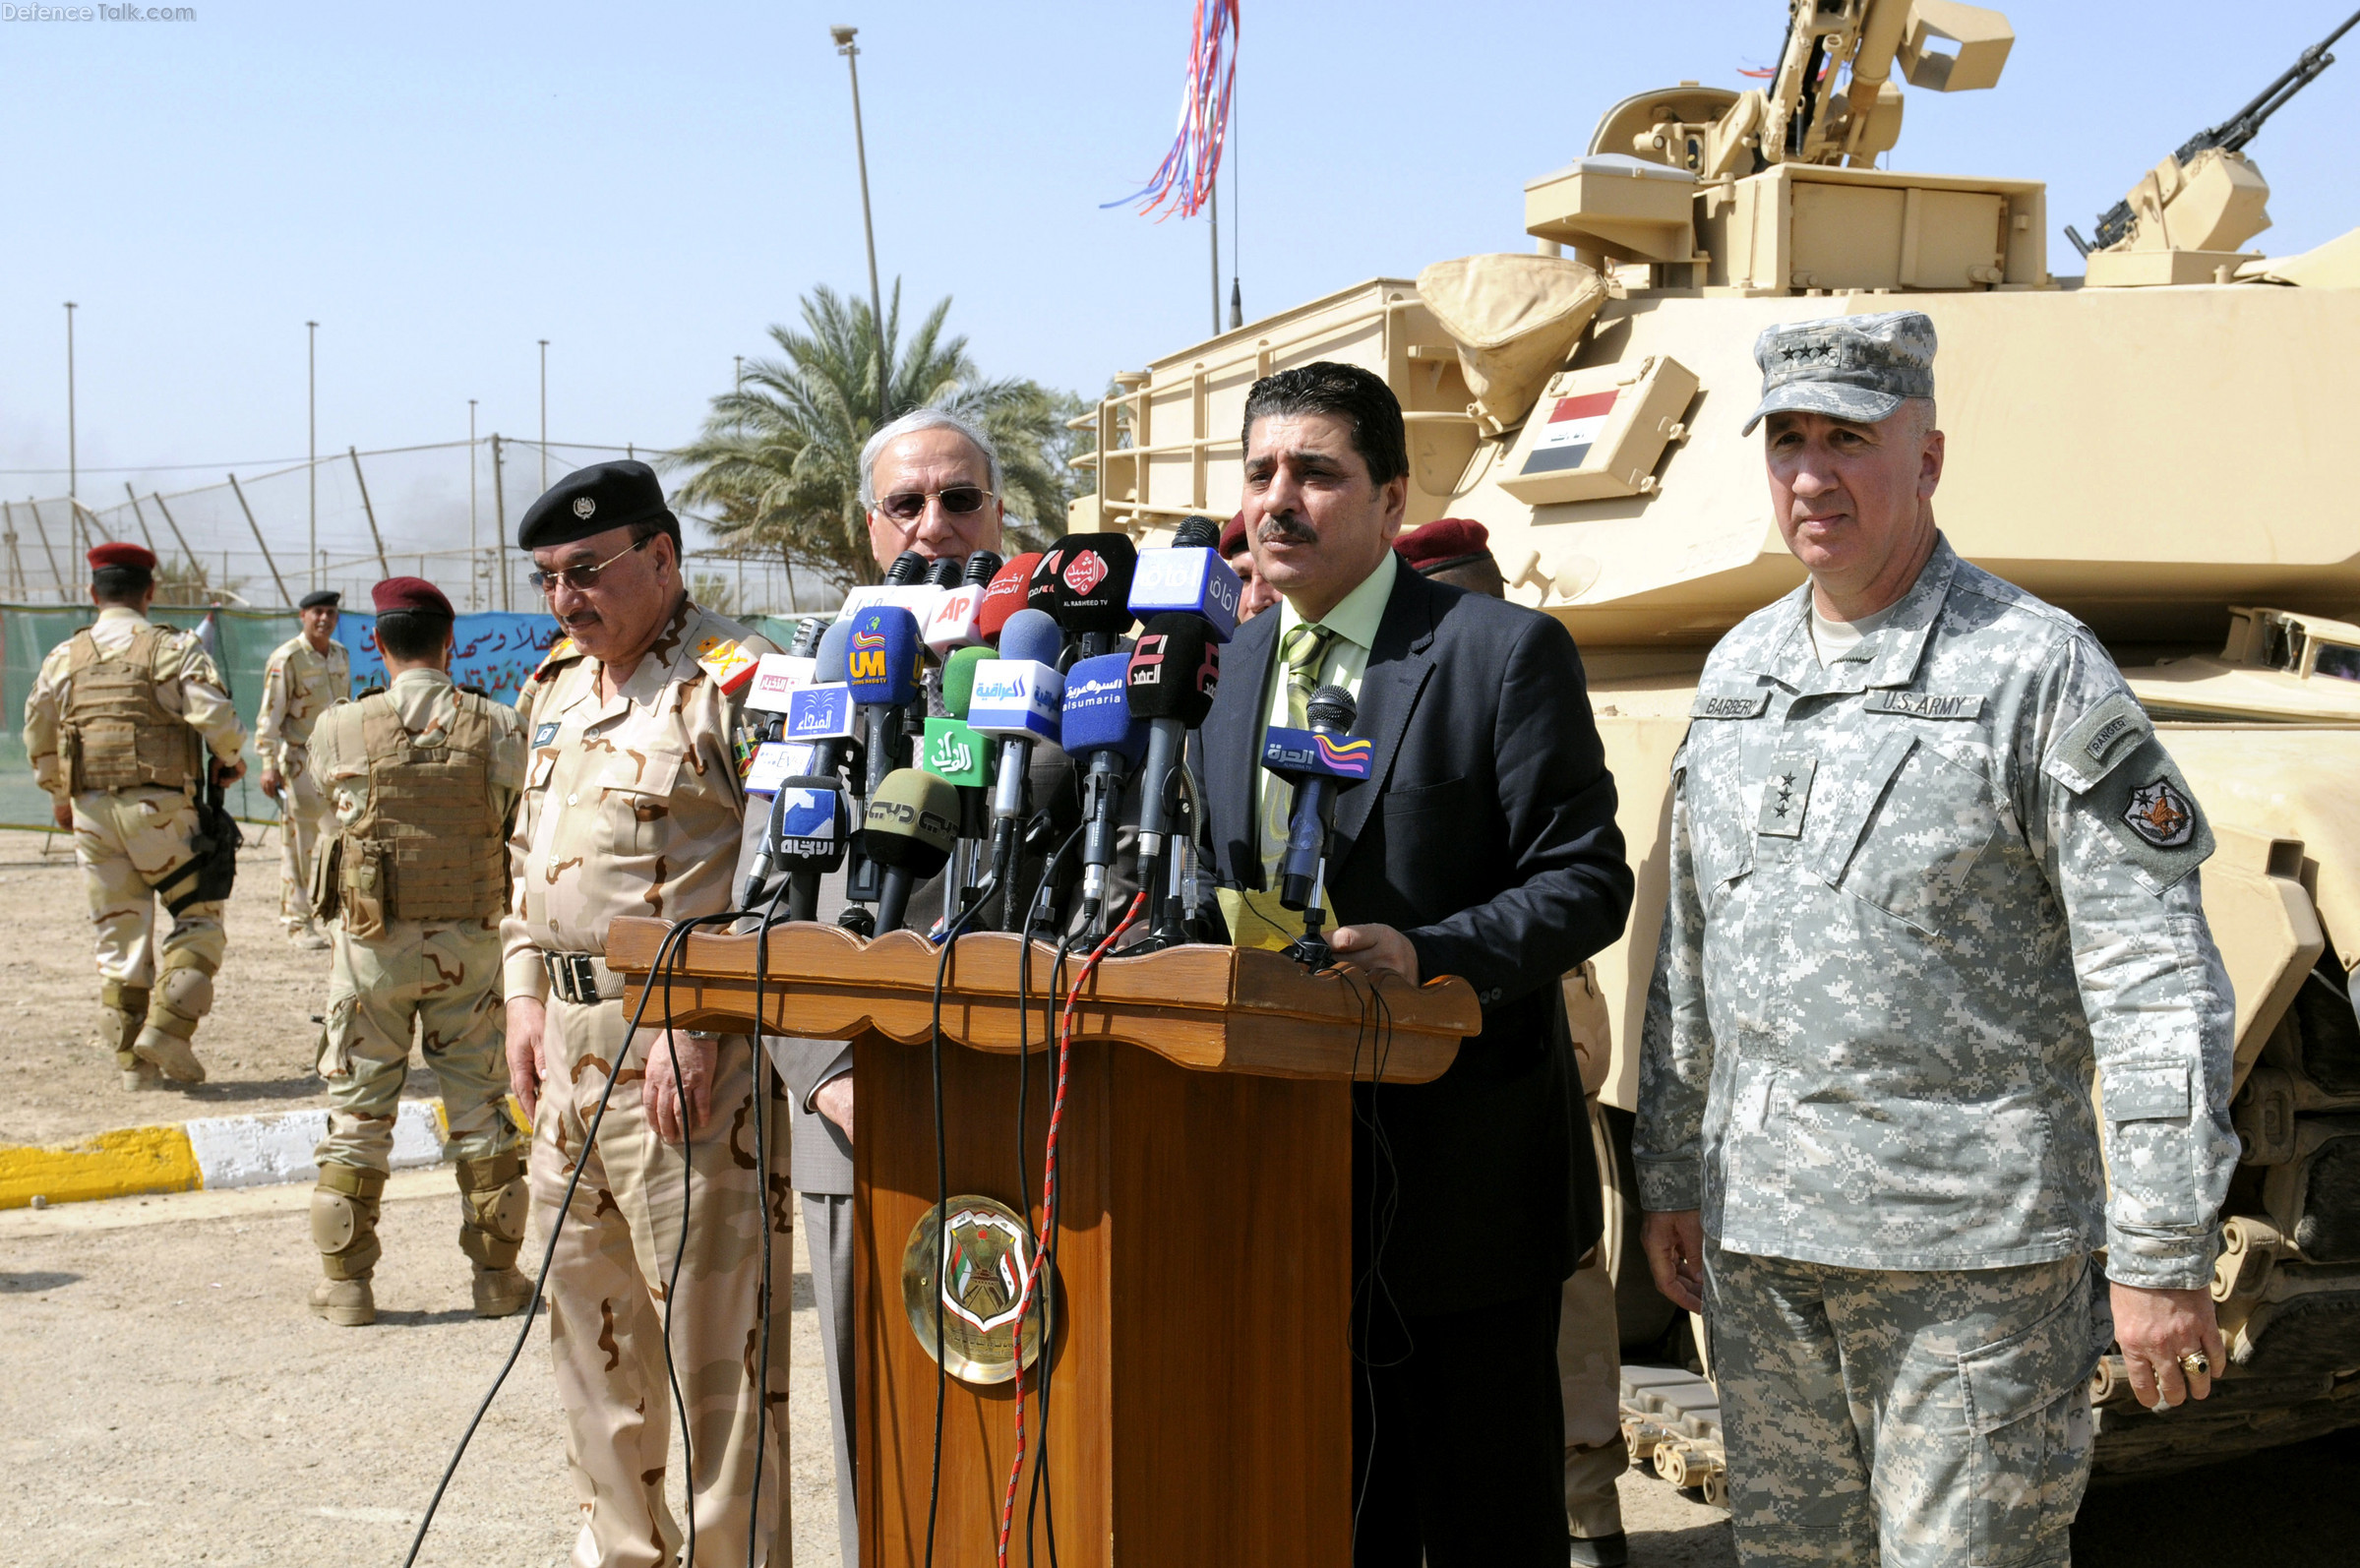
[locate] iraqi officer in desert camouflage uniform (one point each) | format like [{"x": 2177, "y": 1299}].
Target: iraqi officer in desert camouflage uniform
[
  {"x": 125, "y": 720},
  {"x": 633, "y": 806},
  {"x": 308, "y": 674},
  {"x": 1932, "y": 870},
  {"x": 421, "y": 780}
]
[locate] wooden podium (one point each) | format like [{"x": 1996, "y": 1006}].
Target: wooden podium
[{"x": 1200, "y": 1398}]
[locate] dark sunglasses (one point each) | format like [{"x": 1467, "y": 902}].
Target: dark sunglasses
[
  {"x": 908, "y": 505},
  {"x": 581, "y": 579}
]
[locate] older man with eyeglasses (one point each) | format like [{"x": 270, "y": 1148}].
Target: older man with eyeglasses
[{"x": 633, "y": 803}]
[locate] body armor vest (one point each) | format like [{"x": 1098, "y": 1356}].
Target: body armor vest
[
  {"x": 431, "y": 846},
  {"x": 119, "y": 735}
]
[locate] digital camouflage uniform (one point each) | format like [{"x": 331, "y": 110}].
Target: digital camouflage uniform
[
  {"x": 123, "y": 719},
  {"x": 298, "y": 686},
  {"x": 633, "y": 807},
  {"x": 419, "y": 780},
  {"x": 1919, "y": 897}
]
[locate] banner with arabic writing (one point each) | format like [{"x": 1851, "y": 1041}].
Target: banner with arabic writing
[{"x": 495, "y": 650}]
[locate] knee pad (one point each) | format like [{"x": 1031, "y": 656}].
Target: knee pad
[
  {"x": 344, "y": 1220},
  {"x": 122, "y": 1009},
  {"x": 184, "y": 993},
  {"x": 493, "y": 1204}
]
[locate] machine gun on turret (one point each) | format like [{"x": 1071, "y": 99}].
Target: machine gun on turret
[{"x": 2240, "y": 187}]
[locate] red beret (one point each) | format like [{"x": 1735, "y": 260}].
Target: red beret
[
  {"x": 397, "y": 594},
  {"x": 1444, "y": 542},
  {"x": 122, "y": 555},
  {"x": 1233, "y": 537}
]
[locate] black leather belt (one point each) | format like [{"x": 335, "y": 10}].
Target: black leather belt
[{"x": 573, "y": 977}]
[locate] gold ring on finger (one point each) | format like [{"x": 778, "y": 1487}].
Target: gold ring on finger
[{"x": 2196, "y": 1364}]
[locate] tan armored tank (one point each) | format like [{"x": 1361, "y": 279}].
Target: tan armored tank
[{"x": 2162, "y": 447}]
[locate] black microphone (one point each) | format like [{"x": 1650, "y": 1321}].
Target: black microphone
[
  {"x": 982, "y": 567},
  {"x": 910, "y": 827},
  {"x": 1090, "y": 575},
  {"x": 1169, "y": 682},
  {"x": 908, "y": 567},
  {"x": 942, "y": 572},
  {"x": 811, "y": 839},
  {"x": 1330, "y": 713},
  {"x": 808, "y": 632}
]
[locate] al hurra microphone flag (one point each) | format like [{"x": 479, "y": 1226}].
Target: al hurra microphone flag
[{"x": 1183, "y": 182}]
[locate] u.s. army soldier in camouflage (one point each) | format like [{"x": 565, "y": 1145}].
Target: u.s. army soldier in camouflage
[
  {"x": 633, "y": 806},
  {"x": 308, "y": 674},
  {"x": 1932, "y": 870},
  {"x": 421, "y": 780},
  {"x": 125, "y": 720}
]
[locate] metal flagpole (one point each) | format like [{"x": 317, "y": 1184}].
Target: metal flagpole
[
  {"x": 311, "y": 416},
  {"x": 877, "y": 305}
]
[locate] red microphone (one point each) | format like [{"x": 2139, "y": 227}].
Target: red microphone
[{"x": 1004, "y": 595}]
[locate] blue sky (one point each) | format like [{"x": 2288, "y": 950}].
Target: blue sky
[{"x": 648, "y": 187}]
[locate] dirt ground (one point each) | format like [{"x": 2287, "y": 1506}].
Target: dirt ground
[
  {"x": 56, "y": 1085},
  {"x": 169, "y": 1400}
]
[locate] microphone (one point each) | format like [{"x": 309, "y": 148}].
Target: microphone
[
  {"x": 955, "y": 619},
  {"x": 1099, "y": 727},
  {"x": 1189, "y": 576},
  {"x": 1018, "y": 698},
  {"x": 1320, "y": 762},
  {"x": 775, "y": 677},
  {"x": 909, "y": 828},
  {"x": 1092, "y": 582},
  {"x": 904, "y": 585},
  {"x": 1004, "y": 595},
  {"x": 982, "y": 567},
  {"x": 820, "y": 712},
  {"x": 806, "y": 636},
  {"x": 809, "y": 833},
  {"x": 956, "y": 750},
  {"x": 942, "y": 572},
  {"x": 881, "y": 656},
  {"x": 1169, "y": 684}
]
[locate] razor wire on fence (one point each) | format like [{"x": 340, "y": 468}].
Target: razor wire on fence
[{"x": 446, "y": 512}]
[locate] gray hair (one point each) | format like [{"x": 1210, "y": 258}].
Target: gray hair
[{"x": 910, "y": 424}]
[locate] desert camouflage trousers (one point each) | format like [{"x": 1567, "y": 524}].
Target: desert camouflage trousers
[
  {"x": 441, "y": 981},
  {"x": 126, "y": 842},
  {"x": 607, "y": 1300},
  {"x": 1590, "y": 1380},
  {"x": 1904, "y": 1418},
  {"x": 303, "y": 815}
]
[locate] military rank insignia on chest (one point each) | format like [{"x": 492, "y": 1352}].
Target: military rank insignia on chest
[{"x": 1786, "y": 793}]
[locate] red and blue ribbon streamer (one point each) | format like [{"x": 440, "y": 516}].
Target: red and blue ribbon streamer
[{"x": 1183, "y": 182}]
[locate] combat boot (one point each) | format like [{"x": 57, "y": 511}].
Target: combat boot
[
  {"x": 345, "y": 1228},
  {"x": 183, "y": 995},
  {"x": 121, "y": 1008},
  {"x": 493, "y": 1204}
]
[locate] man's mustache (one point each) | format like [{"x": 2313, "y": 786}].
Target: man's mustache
[{"x": 1284, "y": 527}]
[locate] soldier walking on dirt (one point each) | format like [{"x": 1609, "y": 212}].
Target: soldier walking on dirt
[
  {"x": 126, "y": 723},
  {"x": 633, "y": 804},
  {"x": 308, "y": 674},
  {"x": 421, "y": 780},
  {"x": 1931, "y": 872}
]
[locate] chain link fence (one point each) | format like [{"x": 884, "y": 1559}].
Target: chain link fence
[{"x": 445, "y": 512}]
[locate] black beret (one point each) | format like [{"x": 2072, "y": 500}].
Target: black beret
[
  {"x": 593, "y": 500},
  {"x": 319, "y": 599}
]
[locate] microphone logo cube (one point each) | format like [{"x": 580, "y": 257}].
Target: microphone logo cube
[
  {"x": 820, "y": 712},
  {"x": 882, "y": 655},
  {"x": 954, "y": 752},
  {"x": 1195, "y": 582},
  {"x": 1017, "y": 698},
  {"x": 808, "y": 821},
  {"x": 1097, "y": 715},
  {"x": 1314, "y": 754},
  {"x": 777, "y": 677}
]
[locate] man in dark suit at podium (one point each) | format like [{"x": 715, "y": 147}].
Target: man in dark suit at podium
[{"x": 1484, "y": 845}]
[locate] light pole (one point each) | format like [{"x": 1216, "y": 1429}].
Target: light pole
[
  {"x": 73, "y": 445},
  {"x": 544, "y": 416},
  {"x": 473, "y": 561},
  {"x": 311, "y": 418},
  {"x": 740, "y": 385},
  {"x": 877, "y": 307}
]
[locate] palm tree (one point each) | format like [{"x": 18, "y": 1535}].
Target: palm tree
[{"x": 778, "y": 462}]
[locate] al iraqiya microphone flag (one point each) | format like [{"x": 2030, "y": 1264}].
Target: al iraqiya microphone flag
[{"x": 1183, "y": 181}]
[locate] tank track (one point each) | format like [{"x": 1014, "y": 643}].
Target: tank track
[{"x": 1671, "y": 1424}]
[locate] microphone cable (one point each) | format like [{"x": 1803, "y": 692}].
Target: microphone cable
[
  {"x": 1376, "y": 1017},
  {"x": 1049, "y": 1198}
]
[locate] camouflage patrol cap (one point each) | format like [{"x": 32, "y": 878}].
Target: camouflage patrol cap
[{"x": 1860, "y": 368}]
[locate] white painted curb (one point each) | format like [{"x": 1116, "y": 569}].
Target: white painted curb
[{"x": 263, "y": 1150}]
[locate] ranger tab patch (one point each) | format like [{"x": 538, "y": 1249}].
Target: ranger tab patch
[{"x": 1925, "y": 704}]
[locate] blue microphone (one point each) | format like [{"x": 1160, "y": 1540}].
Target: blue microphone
[
  {"x": 1098, "y": 729},
  {"x": 1189, "y": 577},
  {"x": 1320, "y": 762},
  {"x": 1018, "y": 698},
  {"x": 881, "y": 661}
]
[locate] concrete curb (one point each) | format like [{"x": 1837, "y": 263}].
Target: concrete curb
[{"x": 208, "y": 1153}]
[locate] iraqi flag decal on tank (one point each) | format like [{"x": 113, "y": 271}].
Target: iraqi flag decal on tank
[{"x": 1572, "y": 429}]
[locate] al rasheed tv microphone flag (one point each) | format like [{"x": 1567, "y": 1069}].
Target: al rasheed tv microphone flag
[{"x": 1183, "y": 181}]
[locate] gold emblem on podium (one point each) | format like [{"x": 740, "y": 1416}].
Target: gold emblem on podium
[{"x": 977, "y": 1274}]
